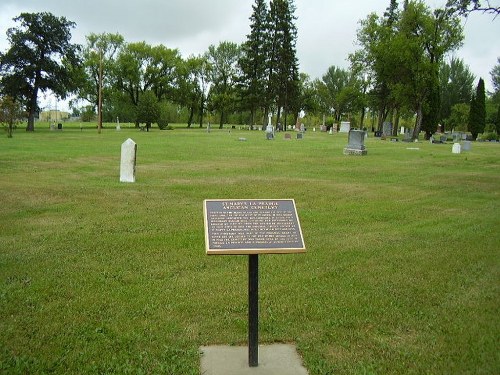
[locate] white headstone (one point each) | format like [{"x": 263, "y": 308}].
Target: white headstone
[
  {"x": 127, "y": 162},
  {"x": 345, "y": 126},
  {"x": 117, "y": 124},
  {"x": 456, "y": 148}
]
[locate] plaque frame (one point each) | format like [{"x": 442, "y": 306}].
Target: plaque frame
[{"x": 256, "y": 209}]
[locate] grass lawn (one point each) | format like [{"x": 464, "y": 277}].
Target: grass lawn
[{"x": 401, "y": 274}]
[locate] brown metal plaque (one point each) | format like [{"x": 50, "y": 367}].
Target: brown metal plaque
[{"x": 252, "y": 226}]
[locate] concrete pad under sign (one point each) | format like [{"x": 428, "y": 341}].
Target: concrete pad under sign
[{"x": 276, "y": 359}]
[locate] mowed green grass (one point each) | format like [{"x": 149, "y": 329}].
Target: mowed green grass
[{"x": 401, "y": 274}]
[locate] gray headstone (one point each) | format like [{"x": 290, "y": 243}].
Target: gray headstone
[
  {"x": 128, "y": 160},
  {"x": 387, "y": 129},
  {"x": 467, "y": 145},
  {"x": 356, "y": 143}
]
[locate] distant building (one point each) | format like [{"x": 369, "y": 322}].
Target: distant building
[{"x": 54, "y": 116}]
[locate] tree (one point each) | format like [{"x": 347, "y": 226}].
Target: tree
[
  {"x": 148, "y": 109},
  {"x": 99, "y": 68},
  {"x": 223, "y": 61},
  {"x": 477, "y": 114},
  {"x": 402, "y": 51},
  {"x": 456, "y": 83},
  {"x": 131, "y": 66},
  {"x": 253, "y": 61},
  {"x": 191, "y": 91},
  {"x": 495, "y": 80},
  {"x": 162, "y": 72},
  {"x": 423, "y": 39},
  {"x": 375, "y": 59},
  {"x": 40, "y": 59},
  {"x": 283, "y": 70},
  {"x": 459, "y": 117},
  {"x": 335, "y": 80},
  {"x": 465, "y": 7},
  {"x": 10, "y": 113}
]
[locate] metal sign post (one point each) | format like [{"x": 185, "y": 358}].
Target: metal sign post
[
  {"x": 253, "y": 310},
  {"x": 252, "y": 227}
]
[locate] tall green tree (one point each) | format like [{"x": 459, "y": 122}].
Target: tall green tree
[
  {"x": 162, "y": 72},
  {"x": 148, "y": 109},
  {"x": 190, "y": 91},
  {"x": 403, "y": 51},
  {"x": 41, "y": 58},
  {"x": 457, "y": 84},
  {"x": 253, "y": 61},
  {"x": 477, "y": 114},
  {"x": 131, "y": 66},
  {"x": 459, "y": 117},
  {"x": 99, "y": 65},
  {"x": 141, "y": 67},
  {"x": 335, "y": 80},
  {"x": 283, "y": 68},
  {"x": 423, "y": 39},
  {"x": 375, "y": 59},
  {"x": 223, "y": 61}
]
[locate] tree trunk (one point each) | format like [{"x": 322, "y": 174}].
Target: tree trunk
[
  {"x": 363, "y": 111},
  {"x": 252, "y": 117},
  {"x": 201, "y": 112},
  {"x": 418, "y": 122},
  {"x": 395, "y": 126},
  {"x": 31, "y": 111},
  {"x": 221, "y": 123},
  {"x": 191, "y": 115}
]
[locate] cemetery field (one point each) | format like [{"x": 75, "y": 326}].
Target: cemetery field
[{"x": 401, "y": 273}]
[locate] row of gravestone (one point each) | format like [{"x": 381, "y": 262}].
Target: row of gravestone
[{"x": 355, "y": 146}]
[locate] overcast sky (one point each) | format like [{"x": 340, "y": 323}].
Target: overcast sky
[{"x": 326, "y": 28}]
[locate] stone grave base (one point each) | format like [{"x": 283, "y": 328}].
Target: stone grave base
[
  {"x": 276, "y": 359},
  {"x": 352, "y": 151}
]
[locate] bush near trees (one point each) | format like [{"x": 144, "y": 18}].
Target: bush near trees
[{"x": 10, "y": 114}]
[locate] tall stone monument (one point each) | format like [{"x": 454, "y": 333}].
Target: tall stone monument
[
  {"x": 128, "y": 160},
  {"x": 387, "y": 129},
  {"x": 269, "y": 128},
  {"x": 356, "y": 143}
]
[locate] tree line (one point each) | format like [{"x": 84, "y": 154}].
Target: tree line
[{"x": 400, "y": 70}]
